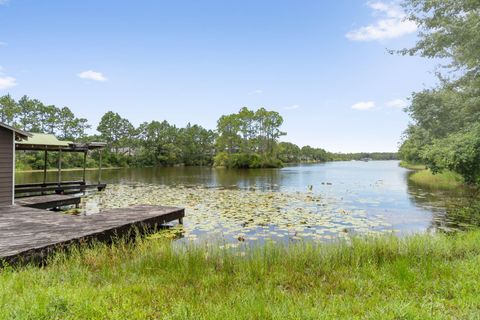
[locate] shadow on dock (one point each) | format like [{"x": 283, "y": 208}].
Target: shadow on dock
[{"x": 30, "y": 235}]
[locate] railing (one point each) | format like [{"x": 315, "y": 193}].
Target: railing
[{"x": 65, "y": 187}]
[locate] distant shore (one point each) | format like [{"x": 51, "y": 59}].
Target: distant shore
[
  {"x": 286, "y": 164},
  {"x": 68, "y": 169}
]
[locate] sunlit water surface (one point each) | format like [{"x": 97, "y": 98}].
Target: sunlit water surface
[{"x": 317, "y": 202}]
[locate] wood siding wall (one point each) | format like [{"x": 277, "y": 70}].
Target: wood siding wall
[{"x": 6, "y": 166}]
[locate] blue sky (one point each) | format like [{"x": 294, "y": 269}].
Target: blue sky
[{"x": 322, "y": 64}]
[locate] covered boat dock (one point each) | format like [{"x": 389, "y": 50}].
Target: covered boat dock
[
  {"x": 48, "y": 144},
  {"x": 28, "y": 233}
]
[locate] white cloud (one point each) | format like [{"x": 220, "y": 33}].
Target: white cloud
[
  {"x": 92, "y": 75},
  {"x": 3, "y": 44},
  {"x": 397, "y": 103},
  {"x": 367, "y": 105},
  {"x": 295, "y": 106},
  {"x": 254, "y": 92},
  {"x": 390, "y": 24},
  {"x": 3, "y": 2},
  {"x": 7, "y": 82}
]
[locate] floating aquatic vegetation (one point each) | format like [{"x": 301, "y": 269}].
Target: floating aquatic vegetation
[
  {"x": 168, "y": 234},
  {"x": 72, "y": 211},
  {"x": 245, "y": 215}
]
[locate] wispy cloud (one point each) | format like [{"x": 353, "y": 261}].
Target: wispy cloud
[
  {"x": 7, "y": 82},
  {"x": 3, "y": 44},
  {"x": 254, "y": 92},
  {"x": 92, "y": 75},
  {"x": 363, "y": 105},
  {"x": 397, "y": 103},
  {"x": 4, "y": 1},
  {"x": 391, "y": 23},
  {"x": 294, "y": 107}
]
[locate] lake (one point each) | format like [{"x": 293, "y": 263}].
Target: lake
[{"x": 308, "y": 201}]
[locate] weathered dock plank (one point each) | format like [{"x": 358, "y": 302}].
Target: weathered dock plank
[
  {"x": 29, "y": 234},
  {"x": 49, "y": 201}
]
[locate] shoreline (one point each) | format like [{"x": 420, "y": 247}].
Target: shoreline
[
  {"x": 288, "y": 164},
  {"x": 422, "y": 176},
  {"x": 311, "y": 280},
  {"x": 411, "y": 166},
  {"x": 68, "y": 169}
]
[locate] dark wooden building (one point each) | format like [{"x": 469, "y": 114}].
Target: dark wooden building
[{"x": 8, "y": 136}]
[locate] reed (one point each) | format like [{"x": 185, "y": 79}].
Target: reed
[{"x": 418, "y": 277}]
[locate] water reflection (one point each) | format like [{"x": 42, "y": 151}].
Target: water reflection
[
  {"x": 377, "y": 187},
  {"x": 451, "y": 209}
]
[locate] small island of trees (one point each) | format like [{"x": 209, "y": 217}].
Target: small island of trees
[{"x": 247, "y": 139}]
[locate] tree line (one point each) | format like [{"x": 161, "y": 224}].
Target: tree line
[
  {"x": 32, "y": 115},
  {"x": 445, "y": 130},
  {"x": 247, "y": 139}
]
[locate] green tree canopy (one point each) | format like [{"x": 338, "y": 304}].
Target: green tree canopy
[{"x": 444, "y": 129}]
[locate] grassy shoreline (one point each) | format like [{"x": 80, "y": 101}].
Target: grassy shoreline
[
  {"x": 444, "y": 180},
  {"x": 418, "y": 277},
  {"x": 412, "y": 166},
  {"x": 424, "y": 177}
]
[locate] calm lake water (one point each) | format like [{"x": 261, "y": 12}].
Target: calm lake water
[{"x": 375, "y": 195}]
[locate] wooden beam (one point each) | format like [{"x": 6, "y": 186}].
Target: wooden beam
[
  {"x": 59, "y": 189},
  {"x": 41, "y": 184}
]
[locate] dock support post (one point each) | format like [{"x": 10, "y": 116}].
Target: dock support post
[
  {"x": 100, "y": 168},
  {"x": 60, "y": 171},
  {"x": 45, "y": 164},
  {"x": 59, "y": 167},
  {"x": 84, "y": 170},
  {"x": 84, "y": 166}
]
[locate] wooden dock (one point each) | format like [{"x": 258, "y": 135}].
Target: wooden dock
[
  {"x": 30, "y": 234},
  {"x": 49, "y": 201}
]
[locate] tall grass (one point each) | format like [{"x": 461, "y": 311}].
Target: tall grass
[
  {"x": 443, "y": 180},
  {"x": 424, "y": 177},
  {"x": 420, "y": 277},
  {"x": 412, "y": 166}
]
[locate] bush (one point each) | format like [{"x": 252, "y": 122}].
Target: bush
[
  {"x": 221, "y": 159},
  {"x": 458, "y": 152},
  {"x": 246, "y": 161}
]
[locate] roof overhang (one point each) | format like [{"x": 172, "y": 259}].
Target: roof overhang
[
  {"x": 48, "y": 142},
  {"x": 19, "y": 134}
]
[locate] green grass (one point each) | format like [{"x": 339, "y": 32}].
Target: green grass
[
  {"x": 412, "y": 166},
  {"x": 443, "y": 180},
  {"x": 420, "y": 277},
  {"x": 424, "y": 177}
]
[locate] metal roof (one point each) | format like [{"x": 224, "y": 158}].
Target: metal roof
[
  {"x": 42, "y": 141},
  {"x": 19, "y": 134}
]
